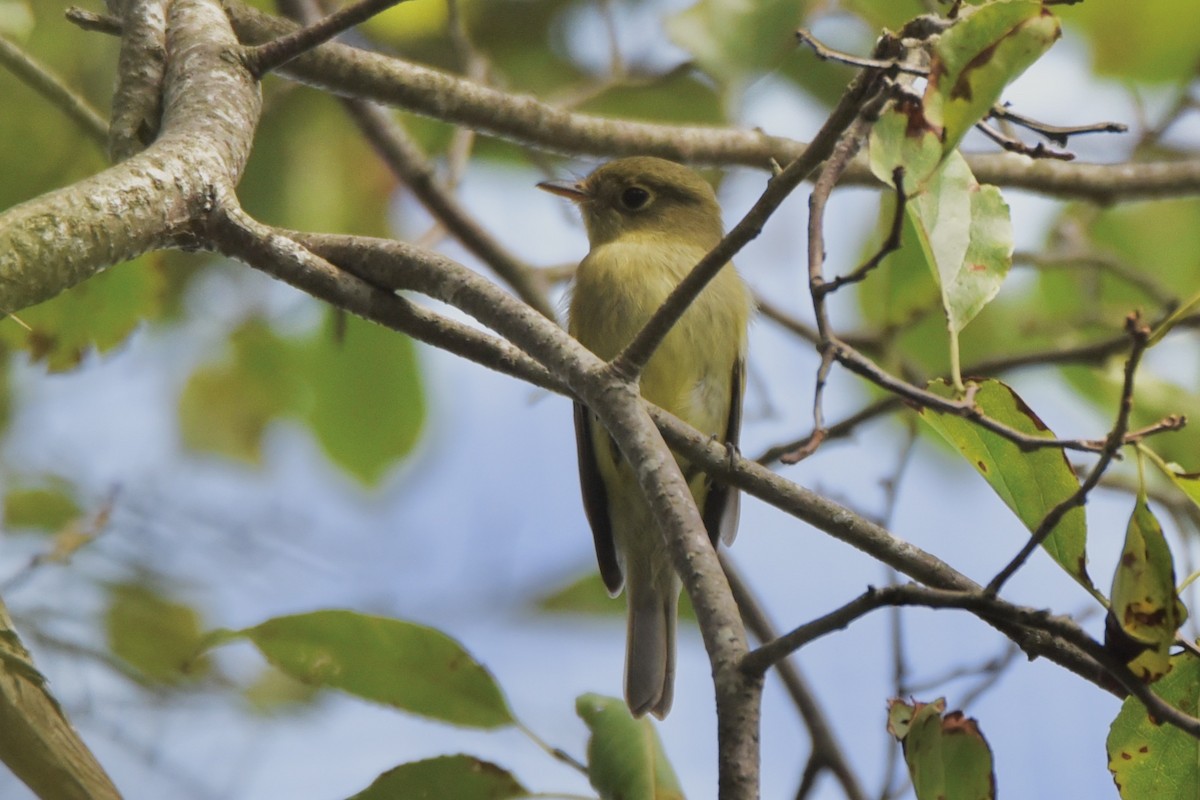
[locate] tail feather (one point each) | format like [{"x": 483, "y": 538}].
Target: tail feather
[{"x": 650, "y": 649}]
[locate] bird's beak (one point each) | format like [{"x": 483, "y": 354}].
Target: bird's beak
[{"x": 572, "y": 190}]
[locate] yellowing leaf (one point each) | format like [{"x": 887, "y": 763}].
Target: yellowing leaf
[
  {"x": 389, "y": 661},
  {"x": 1144, "y": 603},
  {"x": 459, "y": 777},
  {"x": 975, "y": 59},
  {"x": 948, "y": 758},
  {"x": 1148, "y": 759},
  {"x": 1030, "y": 483},
  {"x": 626, "y": 760}
]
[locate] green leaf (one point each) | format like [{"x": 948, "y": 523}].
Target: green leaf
[
  {"x": 389, "y": 661},
  {"x": 44, "y": 508},
  {"x": 975, "y": 59},
  {"x": 1152, "y": 42},
  {"x": 626, "y": 760},
  {"x": 1148, "y": 759},
  {"x": 356, "y": 386},
  {"x": 588, "y": 595},
  {"x": 733, "y": 39},
  {"x": 274, "y": 691},
  {"x": 1144, "y": 602},
  {"x": 98, "y": 314},
  {"x": 966, "y": 234},
  {"x": 154, "y": 634},
  {"x": 1030, "y": 483},
  {"x": 948, "y": 758},
  {"x": 460, "y": 777},
  {"x": 904, "y": 138},
  {"x": 367, "y": 403}
]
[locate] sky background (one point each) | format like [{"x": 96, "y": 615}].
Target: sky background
[{"x": 485, "y": 517}]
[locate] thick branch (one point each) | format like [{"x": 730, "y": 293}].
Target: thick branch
[
  {"x": 62, "y": 238},
  {"x": 37, "y": 741}
]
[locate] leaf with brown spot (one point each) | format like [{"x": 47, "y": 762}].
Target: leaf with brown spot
[
  {"x": 988, "y": 48},
  {"x": 1030, "y": 483},
  {"x": 948, "y": 757},
  {"x": 1151, "y": 760},
  {"x": 1145, "y": 606}
]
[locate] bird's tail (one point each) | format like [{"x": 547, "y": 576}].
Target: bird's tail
[{"x": 650, "y": 647}]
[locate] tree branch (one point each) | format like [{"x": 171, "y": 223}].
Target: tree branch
[{"x": 348, "y": 71}]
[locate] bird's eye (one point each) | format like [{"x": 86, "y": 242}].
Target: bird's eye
[{"x": 634, "y": 198}]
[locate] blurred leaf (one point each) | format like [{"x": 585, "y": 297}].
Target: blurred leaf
[
  {"x": 986, "y": 49},
  {"x": 732, "y": 39},
  {"x": 626, "y": 760},
  {"x": 359, "y": 391},
  {"x": 1030, "y": 483},
  {"x": 154, "y": 634},
  {"x": 677, "y": 97},
  {"x": 274, "y": 691},
  {"x": 16, "y": 19},
  {"x": 948, "y": 758},
  {"x": 389, "y": 661},
  {"x": 320, "y": 175},
  {"x": 460, "y": 777},
  {"x": 1148, "y": 759},
  {"x": 1154, "y": 399},
  {"x": 367, "y": 403},
  {"x": 43, "y": 508},
  {"x": 407, "y": 21},
  {"x": 890, "y": 14},
  {"x": 43, "y": 149},
  {"x": 225, "y": 408},
  {"x": 588, "y": 595},
  {"x": 525, "y": 41},
  {"x": 1144, "y": 603},
  {"x": 99, "y": 314},
  {"x": 1158, "y": 241},
  {"x": 1152, "y": 42}
]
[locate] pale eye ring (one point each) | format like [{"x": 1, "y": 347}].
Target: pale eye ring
[{"x": 634, "y": 197}]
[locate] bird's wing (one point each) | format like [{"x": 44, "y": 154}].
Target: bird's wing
[
  {"x": 722, "y": 505},
  {"x": 595, "y": 501}
]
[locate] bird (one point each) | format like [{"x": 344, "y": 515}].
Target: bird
[{"x": 649, "y": 221}]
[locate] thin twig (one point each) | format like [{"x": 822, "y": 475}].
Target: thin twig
[
  {"x": 263, "y": 58},
  {"x": 1139, "y": 332},
  {"x": 42, "y": 80},
  {"x": 829, "y": 54},
  {"x": 402, "y": 155},
  {"x": 1059, "y": 134},
  {"x": 1014, "y": 145},
  {"x": 890, "y": 245}
]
